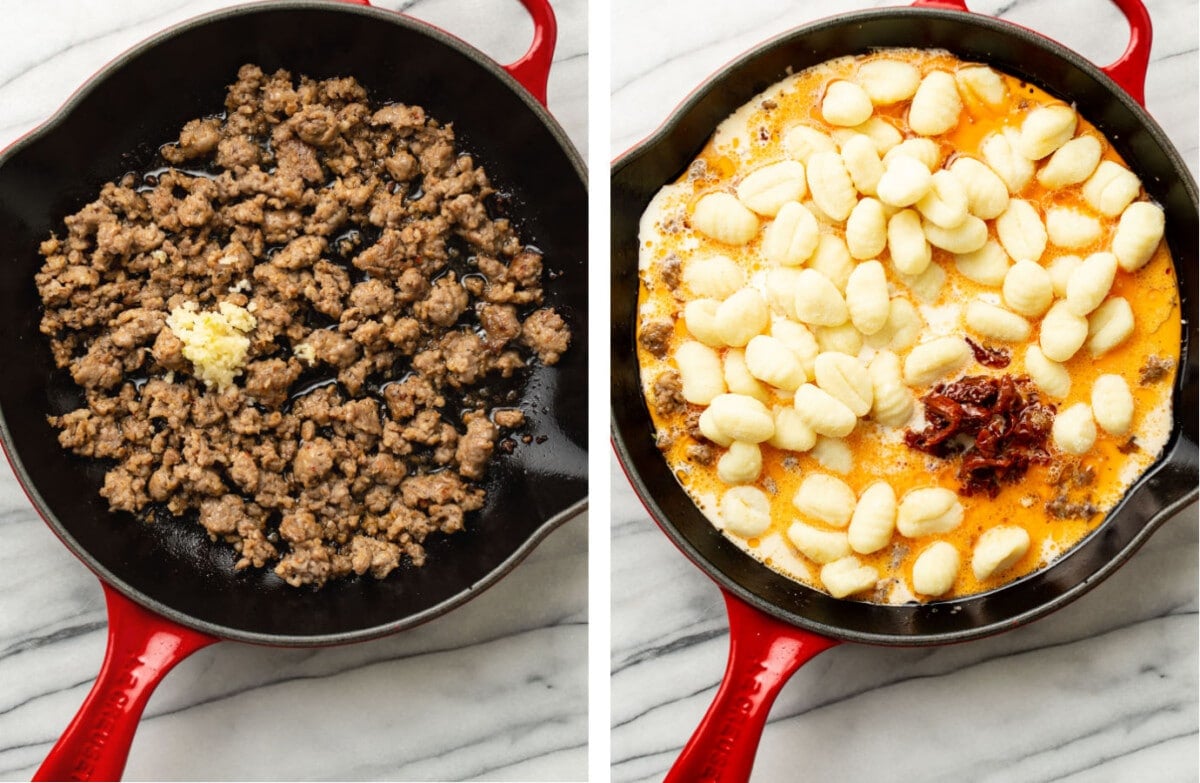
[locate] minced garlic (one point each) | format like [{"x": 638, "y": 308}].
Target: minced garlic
[{"x": 215, "y": 343}]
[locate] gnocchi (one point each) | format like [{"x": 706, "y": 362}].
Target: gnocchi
[
  {"x": 927, "y": 511},
  {"x": 935, "y": 105},
  {"x": 945, "y": 203},
  {"x": 878, "y": 130},
  {"x": 907, "y": 243},
  {"x": 819, "y": 546},
  {"x": 903, "y": 182},
  {"x": 902, "y": 328},
  {"x": 830, "y": 185},
  {"x": 1090, "y": 283},
  {"x": 801, "y": 141},
  {"x": 932, "y": 360},
  {"x": 1012, "y": 167},
  {"x": 1045, "y": 129},
  {"x": 832, "y": 259},
  {"x": 791, "y": 238},
  {"x": 799, "y": 339},
  {"x": 1027, "y": 289},
  {"x": 968, "y": 236},
  {"x": 888, "y": 81},
  {"x": 1062, "y": 333},
  {"x": 1074, "y": 429},
  {"x": 1139, "y": 232},
  {"x": 846, "y": 380},
  {"x": 860, "y": 156},
  {"x": 987, "y": 195},
  {"x": 739, "y": 380},
  {"x": 771, "y": 361},
  {"x": 710, "y": 430},
  {"x": 766, "y": 190},
  {"x": 848, "y": 576},
  {"x": 1109, "y": 325},
  {"x": 1111, "y": 188},
  {"x": 1060, "y": 271},
  {"x": 741, "y": 464},
  {"x": 700, "y": 319},
  {"x": 833, "y": 454},
  {"x": 742, "y": 316},
  {"x": 713, "y": 277},
  {"x": 741, "y": 418},
  {"x": 935, "y": 569},
  {"x": 843, "y": 338},
  {"x": 998, "y": 549},
  {"x": 1048, "y": 375},
  {"x": 873, "y": 520},
  {"x": 996, "y": 323},
  {"x": 781, "y": 290},
  {"x": 891, "y": 402},
  {"x": 846, "y": 104},
  {"x": 700, "y": 372},
  {"x": 1021, "y": 231},
  {"x": 987, "y": 266},
  {"x": 924, "y": 150},
  {"x": 982, "y": 84},
  {"x": 1112, "y": 404},
  {"x": 792, "y": 433},
  {"x": 866, "y": 229},
  {"x": 824, "y": 413},
  {"x": 825, "y": 498},
  {"x": 722, "y": 217},
  {"x": 1071, "y": 164},
  {"x": 927, "y": 286},
  {"x": 745, "y": 511},
  {"x": 1070, "y": 228},
  {"x": 818, "y": 301},
  {"x": 867, "y": 297}
]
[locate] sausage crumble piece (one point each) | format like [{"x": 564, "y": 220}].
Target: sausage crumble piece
[{"x": 296, "y": 329}]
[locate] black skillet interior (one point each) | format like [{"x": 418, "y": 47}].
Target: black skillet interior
[
  {"x": 115, "y": 126},
  {"x": 664, "y": 156}
]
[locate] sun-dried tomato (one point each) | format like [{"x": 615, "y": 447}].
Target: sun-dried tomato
[
  {"x": 996, "y": 424},
  {"x": 989, "y": 357}
]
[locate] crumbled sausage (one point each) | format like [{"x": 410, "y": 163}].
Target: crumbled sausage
[{"x": 382, "y": 292}]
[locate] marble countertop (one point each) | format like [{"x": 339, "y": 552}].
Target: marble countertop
[
  {"x": 1103, "y": 690},
  {"x": 495, "y": 690}
]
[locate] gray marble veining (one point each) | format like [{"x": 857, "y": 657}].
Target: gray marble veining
[
  {"x": 1103, "y": 690},
  {"x": 495, "y": 690}
]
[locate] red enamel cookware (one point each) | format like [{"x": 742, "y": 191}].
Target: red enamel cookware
[
  {"x": 777, "y": 624},
  {"x": 170, "y": 591}
]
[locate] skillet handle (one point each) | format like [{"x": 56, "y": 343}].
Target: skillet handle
[
  {"x": 763, "y": 654},
  {"x": 1129, "y": 70},
  {"x": 142, "y": 648},
  {"x": 533, "y": 69}
]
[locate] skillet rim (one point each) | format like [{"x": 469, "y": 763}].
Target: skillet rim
[
  {"x": 1179, "y": 449},
  {"x": 61, "y": 116}
]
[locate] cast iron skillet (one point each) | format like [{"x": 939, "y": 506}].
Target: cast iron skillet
[
  {"x": 777, "y": 624},
  {"x": 169, "y": 590}
]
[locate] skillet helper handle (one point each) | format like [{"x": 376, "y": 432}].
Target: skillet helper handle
[
  {"x": 1129, "y": 70},
  {"x": 142, "y": 648},
  {"x": 763, "y": 654},
  {"x": 532, "y": 70}
]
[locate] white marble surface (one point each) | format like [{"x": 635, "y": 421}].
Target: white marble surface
[
  {"x": 496, "y": 690},
  {"x": 1103, "y": 690}
]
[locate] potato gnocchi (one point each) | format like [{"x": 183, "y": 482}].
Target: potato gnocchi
[{"x": 853, "y": 240}]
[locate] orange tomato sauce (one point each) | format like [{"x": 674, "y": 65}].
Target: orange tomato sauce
[{"x": 878, "y": 451}]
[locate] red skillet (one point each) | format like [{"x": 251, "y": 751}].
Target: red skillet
[
  {"x": 776, "y": 625},
  {"x": 169, "y": 590}
]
